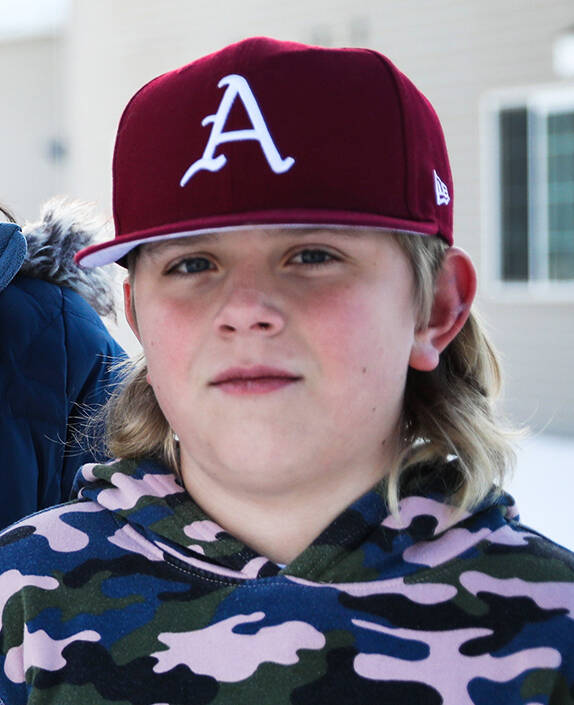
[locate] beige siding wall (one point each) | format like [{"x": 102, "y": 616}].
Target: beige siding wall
[{"x": 537, "y": 342}]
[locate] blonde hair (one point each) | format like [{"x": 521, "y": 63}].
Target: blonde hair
[{"x": 448, "y": 412}]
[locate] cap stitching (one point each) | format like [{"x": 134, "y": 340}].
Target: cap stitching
[{"x": 387, "y": 64}]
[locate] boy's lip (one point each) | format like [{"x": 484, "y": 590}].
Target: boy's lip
[
  {"x": 256, "y": 380},
  {"x": 257, "y": 372}
]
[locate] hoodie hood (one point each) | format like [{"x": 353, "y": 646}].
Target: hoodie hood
[{"x": 364, "y": 543}]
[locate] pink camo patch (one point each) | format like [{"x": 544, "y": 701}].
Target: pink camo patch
[
  {"x": 196, "y": 548},
  {"x": 205, "y": 530},
  {"x": 128, "y": 539},
  {"x": 412, "y": 507},
  {"x": 451, "y": 544},
  {"x": 445, "y": 658},
  {"x": 40, "y": 650},
  {"x": 546, "y": 595},
  {"x": 129, "y": 490},
  {"x": 252, "y": 568},
  {"x": 12, "y": 581},
  {"x": 421, "y": 593},
  {"x": 61, "y": 536},
  {"x": 229, "y": 657},
  {"x": 87, "y": 472},
  {"x": 507, "y": 536}
]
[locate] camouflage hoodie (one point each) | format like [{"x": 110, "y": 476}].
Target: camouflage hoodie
[{"x": 132, "y": 595}]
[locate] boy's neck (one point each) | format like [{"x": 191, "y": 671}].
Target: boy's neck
[{"x": 280, "y": 526}]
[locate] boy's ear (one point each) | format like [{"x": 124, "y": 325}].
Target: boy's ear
[
  {"x": 131, "y": 313},
  {"x": 129, "y": 308},
  {"x": 454, "y": 293}
]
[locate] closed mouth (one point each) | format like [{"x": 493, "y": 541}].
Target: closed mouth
[
  {"x": 254, "y": 380},
  {"x": 238, "y": 374}
]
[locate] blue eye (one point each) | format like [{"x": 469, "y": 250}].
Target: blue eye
[
  {"x": 314, "y": 256},
  {"x": 192, "y": 265}
]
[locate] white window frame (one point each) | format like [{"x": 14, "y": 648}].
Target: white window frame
[{"x": 539, "y": 102}]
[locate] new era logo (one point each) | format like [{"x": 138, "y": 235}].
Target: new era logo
[{"x": 441, "y": 191}]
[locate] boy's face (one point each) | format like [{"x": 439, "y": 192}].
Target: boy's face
[{"x": 277, "y": 355}]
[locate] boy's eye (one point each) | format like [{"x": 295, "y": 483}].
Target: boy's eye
[
  {"x": 313, "y": 256},
  {"x": 192, "y": 265}
]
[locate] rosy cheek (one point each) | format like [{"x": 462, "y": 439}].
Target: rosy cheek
[
  {"x": 362, "y": 333},
  {"x": 163, "y": 334},
  {"x": 342, "y": 325}
]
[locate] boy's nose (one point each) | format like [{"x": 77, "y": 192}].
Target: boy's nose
[{"x": 246, "y": 311}]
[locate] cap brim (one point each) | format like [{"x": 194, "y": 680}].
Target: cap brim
[{"x": 115, "y": 250}]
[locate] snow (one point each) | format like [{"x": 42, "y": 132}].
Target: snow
[{"x": 543, "y": 486}]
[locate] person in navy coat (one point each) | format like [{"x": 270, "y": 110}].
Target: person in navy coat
[{"x": 56, "y": 357}]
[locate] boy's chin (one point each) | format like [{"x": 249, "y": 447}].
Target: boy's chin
[{"x": 250, "y": 465}]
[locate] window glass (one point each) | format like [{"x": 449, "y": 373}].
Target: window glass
[
  {"x": 560, "y": 151},
  {"x": 513, "y": 126}
]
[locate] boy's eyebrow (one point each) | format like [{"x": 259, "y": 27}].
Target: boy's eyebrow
[{"x": 172, "y": 243}]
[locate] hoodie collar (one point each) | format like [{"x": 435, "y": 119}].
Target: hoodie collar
[{"x": 364, "y": 543}]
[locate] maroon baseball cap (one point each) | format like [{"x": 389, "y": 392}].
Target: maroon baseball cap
[{"x": 273, "y": 133}]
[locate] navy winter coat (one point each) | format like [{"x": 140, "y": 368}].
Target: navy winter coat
[{"x": 54, "y": 355}]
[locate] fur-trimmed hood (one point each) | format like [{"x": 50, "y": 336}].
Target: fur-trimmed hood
[{"x": 65, "y": 227}]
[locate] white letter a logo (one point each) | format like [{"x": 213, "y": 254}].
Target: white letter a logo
[{"x": 236, "y": 86}]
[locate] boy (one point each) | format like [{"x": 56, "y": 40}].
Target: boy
[{"x": 306, "y": 507}]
